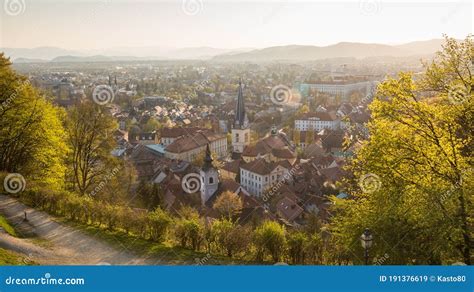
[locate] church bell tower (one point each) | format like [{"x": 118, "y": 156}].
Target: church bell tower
[
  {"x": 240, "y": 127},
  {"x": 209, "y": 177}
]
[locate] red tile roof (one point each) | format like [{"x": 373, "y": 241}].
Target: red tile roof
[
  {"x": 262, "y": 167},
  {"x": 267, "y": 145},
  {"x": 178, "y": 132},
  {"x": 188, "y": 142},
  {"x": 288, "y": 209}
]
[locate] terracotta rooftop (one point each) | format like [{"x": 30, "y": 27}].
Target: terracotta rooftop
[
  {"x": 288, "y": 209},
  {"x": 322, "y": 116},
  {"x": 233, "y": 166},
  {"x": 267, "y": 145},
  {"x": 188, "y": 142},
  {"x": 179, "y": 131},
  {"x": 262, "y": 167}
]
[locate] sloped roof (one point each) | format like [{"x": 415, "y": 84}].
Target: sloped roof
[
  {"x": 188, "y": 142},
  {"x": 178, "y": 131},
  {"x": 288, "y": 209},
  {"x": 267, "y": 145},
  {"x": 262, "y": 167},
  {"x": 322, "y": 116},
  {"x": 233, "y": 166}
]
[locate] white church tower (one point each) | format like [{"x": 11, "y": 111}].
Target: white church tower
[
  {"x": 240, "y": 128},
  {"x": 209, "y": 177}
]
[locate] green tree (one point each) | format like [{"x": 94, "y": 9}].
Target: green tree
[
  {"x": 151, "y": 125},
  {"x": 149, "y": 194},
  {"x": 159, "y": 222},
  {"x": 89, "y": 128},
  {"x": 413, "y": 180},
  {"x": 297, "y": 242},
  {"x": 31, "y": 132},
  {"x": 230, "y": 237},
  {"x": 296, "y": 137},
  {"x": 270, "y": 237},
  {"x": 189, "y": 228},
  {"x": 228, "y": 204}
]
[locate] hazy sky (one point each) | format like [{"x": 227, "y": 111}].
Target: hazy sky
[{"x": 100, "y": 24}]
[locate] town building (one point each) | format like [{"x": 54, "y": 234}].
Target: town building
[
  {"x": 191, "y": 146},
  {"x": 259, "y": 175},
  {"x": 273, "y": 148},
  {"x": 317, "y": 121},
  {"x": 168, "y": 135},
  {"x": 335, "y": 88}
]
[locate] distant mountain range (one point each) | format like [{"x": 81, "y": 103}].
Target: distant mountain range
[
  {"x": 340, "y": 50},
  {"x": 279, "y": 53}
]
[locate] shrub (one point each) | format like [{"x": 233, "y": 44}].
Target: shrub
[
  {"x": 189, "y": 229},
  {"x": 230, "y": 237},
  {"x": 297, "y": 242},
  {"x": 270, "y": 237},
  {"x": 158, "y": 224}
]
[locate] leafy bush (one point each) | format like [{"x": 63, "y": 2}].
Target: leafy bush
[
  {"x": 158, "y": 224},
  {"x": 270, "y": 237}
]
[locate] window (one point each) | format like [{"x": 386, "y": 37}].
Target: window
[
  {"x": 237, "y": 137},
  {"x": 211, "y": 180}
]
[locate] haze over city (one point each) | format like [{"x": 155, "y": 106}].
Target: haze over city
[{"x": 121, "y": 26}]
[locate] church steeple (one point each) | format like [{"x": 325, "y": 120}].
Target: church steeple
[
  {"x": 209, "y": 177},
  {"x": 207, "y": 159},
  {"x": 240, "y": 129},
  {"x": 240, "y": 120}
]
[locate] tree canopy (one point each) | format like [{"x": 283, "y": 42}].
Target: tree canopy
[
  {"x": 32, "y": 136},
  {"x": 413, "y": 179}
]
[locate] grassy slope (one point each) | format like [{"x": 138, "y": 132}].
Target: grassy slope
[
  {"x": 10, "y": 258},
  {"x": 8, "y": 228}
]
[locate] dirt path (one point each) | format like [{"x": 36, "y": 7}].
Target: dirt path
[{"x": 52, "y": 243}]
